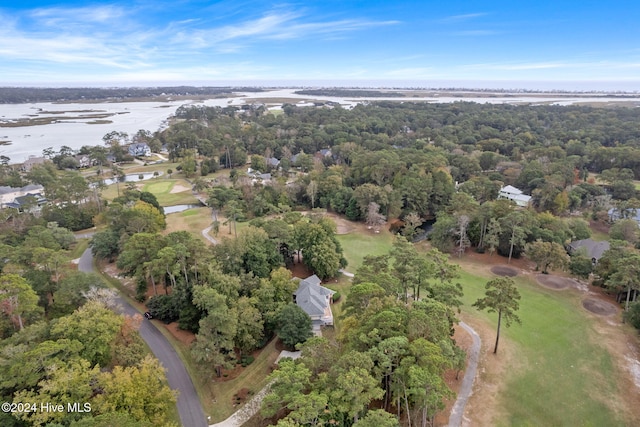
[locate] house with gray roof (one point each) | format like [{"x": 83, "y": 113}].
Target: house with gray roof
[
  {"x": 593, "y": 249},
  {"x": 315, "y": 300},
  {"x": 8, "y": 195},
  {"x": 273, "y": 162}
]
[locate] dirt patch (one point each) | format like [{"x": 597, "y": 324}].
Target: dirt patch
[
  {"x": 112, "y": 270},
  {"x": 181, "y": 335},
  {"x": 503, "y": 270},
  {"x": 554, "y": 282},
  {"x": 298, "y": 269},
  {"x": 519, "y": 264},
  {"x": 241, "y": 396},
  {"x": 343, "y": 225},
  {"x": 599, "y": 307},
  {"x": 599, "y": 226}
]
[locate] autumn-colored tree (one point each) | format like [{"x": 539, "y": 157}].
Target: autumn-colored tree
[{"x": 140, "y": 391}]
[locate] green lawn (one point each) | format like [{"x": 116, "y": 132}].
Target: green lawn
[
  {"x": 159, "y": 187},
  {"x": 563, "y": 375},
  {"x": 357, "y": 244},
  {"x": 192, "y": 220}
]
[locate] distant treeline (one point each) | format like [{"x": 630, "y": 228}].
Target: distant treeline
[
  {"x": 349, "y": 92},
  {"x": 18, "y": 95}
]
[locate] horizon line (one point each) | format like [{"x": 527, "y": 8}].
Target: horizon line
[{"x": 594, "y": 86}]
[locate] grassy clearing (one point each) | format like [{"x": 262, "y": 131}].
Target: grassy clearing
[
  {"x": 358, "y": 244},
  {"x": 78, "y": 248},
  {"x": 564, "y": 376},
  {"x": 192, "y": 220},
  {"x": 599, "y": 236},
  {"x": 161, "y": 188}
]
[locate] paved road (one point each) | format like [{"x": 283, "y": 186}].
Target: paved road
[
  {"x": 191, "y": 414},
  {"x": 457, "y": 412}
]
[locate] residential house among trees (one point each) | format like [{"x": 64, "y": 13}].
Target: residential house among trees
[
  {"x": 593, "y": 250},
  {"x": 84, "y": 161},
  {"x": 139, "y": 150},
  {"x": 616, "y": 214},
  {"x": 512, "y": 193},
  {"x": 12, "y": 197},
  {"x": 31, "y": 162},
  {"x": 273, "y": 162},
  {"x": 315, "y": 300}
]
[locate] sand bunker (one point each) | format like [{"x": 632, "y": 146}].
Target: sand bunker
[
  {"x": 503, "y": 270},
  {"x": 555, "y": 282},
  {"x": 178, "y": 188},
  {"x": 599, "y": 307}
]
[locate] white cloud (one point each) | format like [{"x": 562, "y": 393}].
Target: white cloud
[
  {"x": 115, "y": 37},
  {"x": 63, "y": 17},
  {"x": 275, "y": 25}
]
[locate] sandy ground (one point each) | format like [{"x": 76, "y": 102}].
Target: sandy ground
[{"x": 179, "y": 188}]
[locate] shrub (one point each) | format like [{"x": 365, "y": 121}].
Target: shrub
[
  {"x": 633, "y": 314},
  {"x": 246, "y": 360},
  {"x": 164, "y": 307},
  {"x": 336, "y": 296},
  {"x": 580, "y": 266}
]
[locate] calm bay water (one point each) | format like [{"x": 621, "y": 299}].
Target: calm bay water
[{"x": 130, "y": 117}]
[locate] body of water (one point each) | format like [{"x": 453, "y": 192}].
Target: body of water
[
  {"x": 134, "y": 177},
  {"x": 76, "y": 124},
  {"x": 179, "y": 208}
]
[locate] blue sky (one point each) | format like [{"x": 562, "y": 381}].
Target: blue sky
[{"x": 152, "y": 42}]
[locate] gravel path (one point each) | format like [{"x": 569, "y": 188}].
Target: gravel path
[
  {"x": 457, "y": 412},
  {"x": 206, "y": 235}
]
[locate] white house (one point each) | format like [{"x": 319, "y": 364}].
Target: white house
[
  {"x": 315, "y": 300},
  {"x": 139, "y": 150},
  {"x": 616, "y": 214},
  {"x": 512, "y": 193}
]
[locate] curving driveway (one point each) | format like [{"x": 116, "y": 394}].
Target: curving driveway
[{"x": 191, "y": 414}]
